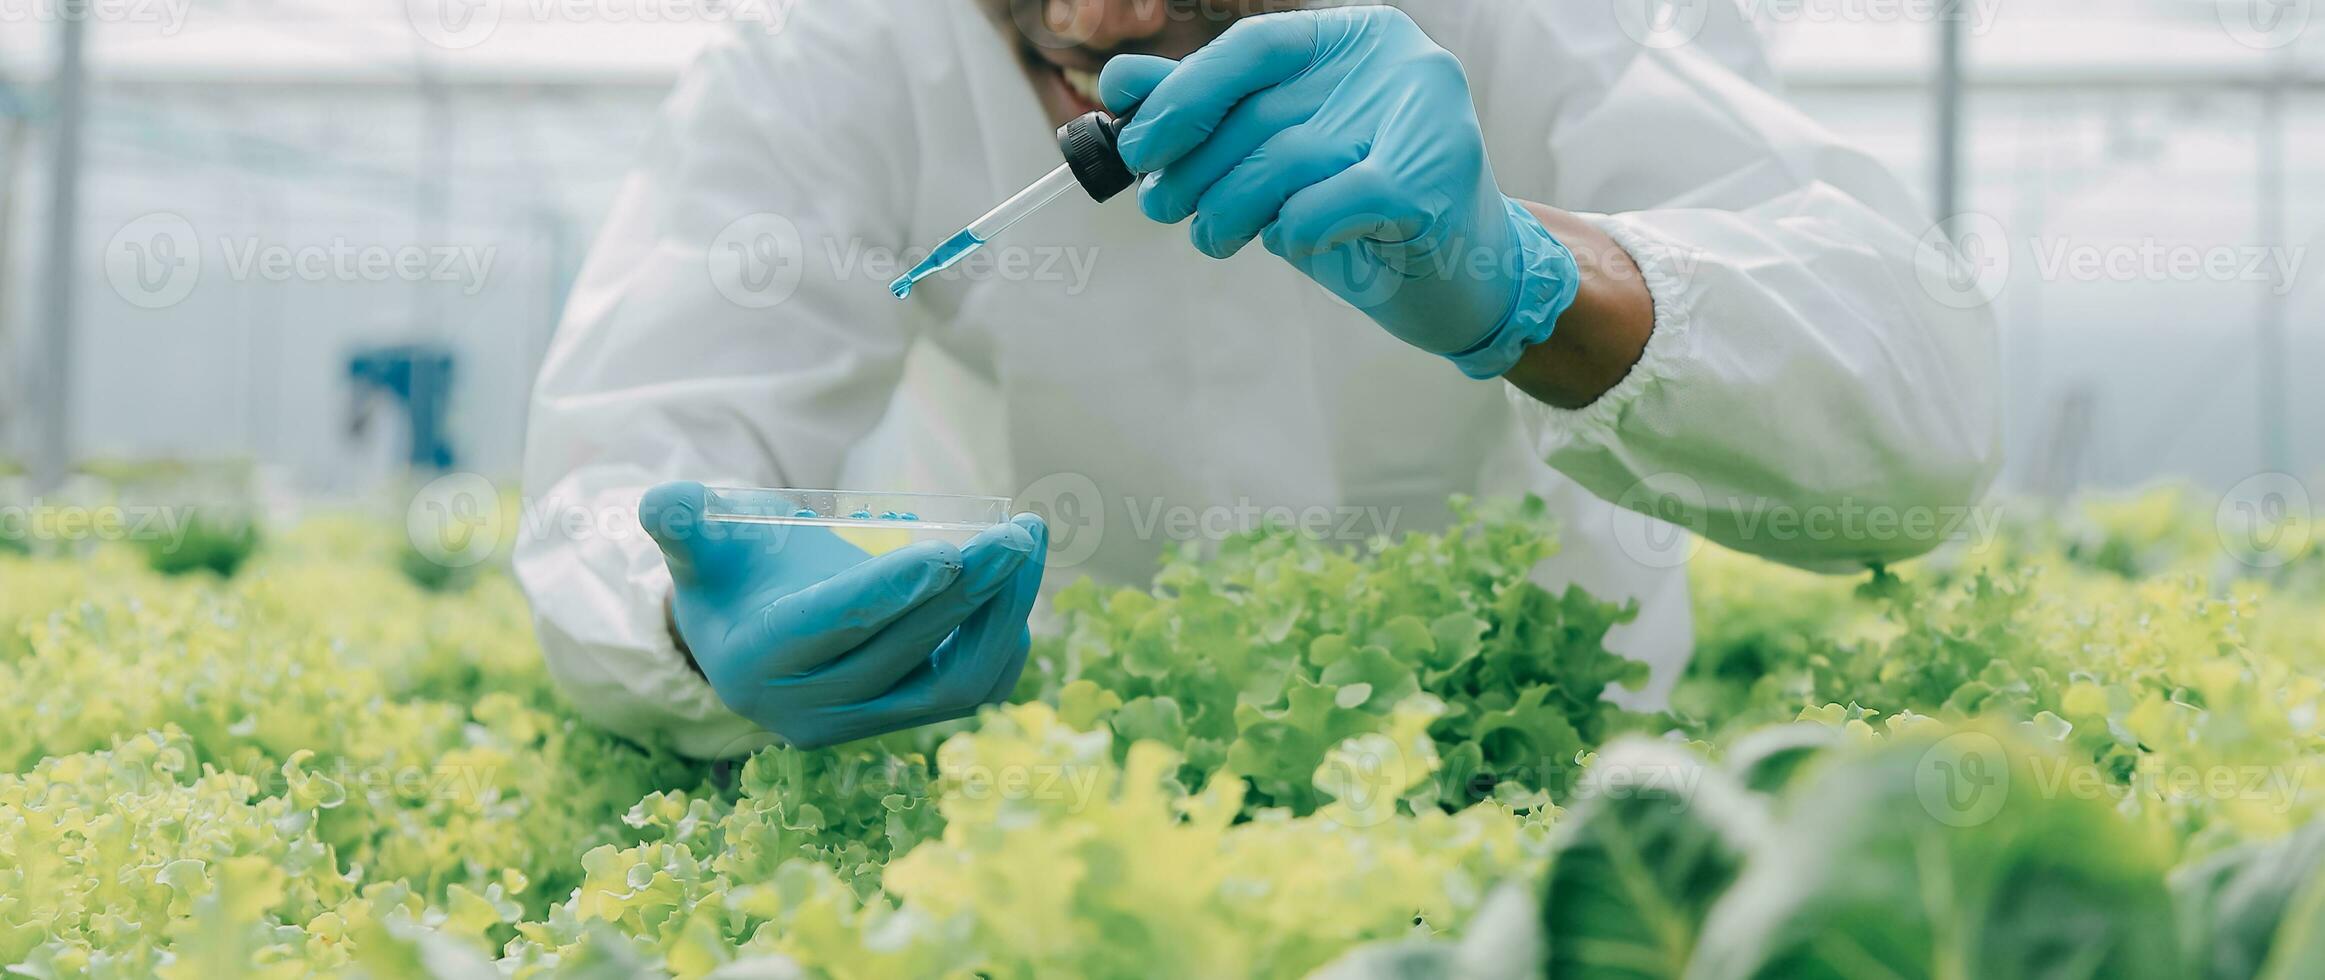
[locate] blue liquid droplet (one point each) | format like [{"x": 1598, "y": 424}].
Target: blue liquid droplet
[
  {"x": 803, "y": 512},
  {"x": 908, "y": 516},
  {"x": 945, "y": 256},
  {"x": 861, "y": 515}
]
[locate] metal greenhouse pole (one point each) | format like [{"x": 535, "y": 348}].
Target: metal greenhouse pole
[
  {"x": 53, "y": 324},
  {"x": 1946, "y": 142},
  {"x": 15, "y": 130},
  {"x": 2274, "y": 407}
]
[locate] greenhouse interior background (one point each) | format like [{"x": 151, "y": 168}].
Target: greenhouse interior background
[{"x": 2161, "y": 127}]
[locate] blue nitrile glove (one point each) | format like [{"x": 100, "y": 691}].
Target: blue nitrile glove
[
  {"x": 1347, "y": 139},
  {"x": 797, "y": 630}
]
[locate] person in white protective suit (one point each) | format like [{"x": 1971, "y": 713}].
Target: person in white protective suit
[{"x": 1506, "y": 247}]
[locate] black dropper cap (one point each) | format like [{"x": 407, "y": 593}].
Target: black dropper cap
[{"x": 1091, "y": 150}]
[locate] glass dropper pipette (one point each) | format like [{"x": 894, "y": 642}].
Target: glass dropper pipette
[
  {"x": 968, "y": 240},
  {"x": 1092, "y": 164}
]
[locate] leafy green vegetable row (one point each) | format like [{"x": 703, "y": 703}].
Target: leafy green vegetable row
[{"x": 1282, "y": 758}]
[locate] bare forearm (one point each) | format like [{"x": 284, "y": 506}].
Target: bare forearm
[{"x": 1603, "y": 334}]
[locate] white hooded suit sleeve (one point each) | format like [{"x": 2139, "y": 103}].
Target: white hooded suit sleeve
[
  {"x": 1816, "y": 389},
  {"x": 711, "y": 337}
]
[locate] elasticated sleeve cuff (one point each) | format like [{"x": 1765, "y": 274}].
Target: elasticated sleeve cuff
[{"x": 1597, "y": 422}]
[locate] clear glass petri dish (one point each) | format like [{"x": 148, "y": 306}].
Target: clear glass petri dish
[{"x": 877, "y": 522}]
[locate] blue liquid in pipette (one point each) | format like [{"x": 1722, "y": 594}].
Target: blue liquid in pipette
[{"x": 945, "y": 257}]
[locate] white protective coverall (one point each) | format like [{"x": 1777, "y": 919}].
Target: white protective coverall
[{"x": 1801, "y": 376}]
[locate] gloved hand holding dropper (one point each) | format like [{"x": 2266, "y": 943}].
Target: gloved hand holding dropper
[{"x": 1346, "y": 141}]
